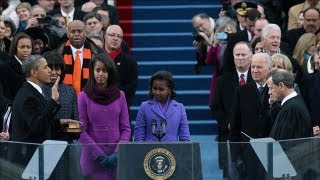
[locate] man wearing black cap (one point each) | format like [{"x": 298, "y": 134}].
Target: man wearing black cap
[{"x": 241, "y": 9}]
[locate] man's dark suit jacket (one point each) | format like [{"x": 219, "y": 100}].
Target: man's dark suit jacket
[
  {"x": 113, "y": 12},
  {"x": 32, "y": 116},
  {"x": 128, "y": 75},
  {"x": 12, "y": 78},
  {"x": 292, "y": 36},
  {"x": 226, "y": 86},
  {"x": 249, "y": 115},
  {"x": 312, "y": 97},
  {"x": 31, "y": 121},
  {"x": 78, "y": 14}
]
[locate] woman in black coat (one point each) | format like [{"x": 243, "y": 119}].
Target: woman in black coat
[{"x": 11, "y": 73}]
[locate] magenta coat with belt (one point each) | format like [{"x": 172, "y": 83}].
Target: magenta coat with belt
[
  {"x": 176, "y": 117},
  {"x": 101, "y": 124}
]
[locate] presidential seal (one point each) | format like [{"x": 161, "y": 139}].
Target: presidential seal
[{"x": 159, "y": 164}]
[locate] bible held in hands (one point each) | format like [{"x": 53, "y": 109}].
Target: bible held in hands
[{"x": 72, "y": 128}]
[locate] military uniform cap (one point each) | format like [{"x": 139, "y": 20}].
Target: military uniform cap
[{"x": 244, "y": 6}]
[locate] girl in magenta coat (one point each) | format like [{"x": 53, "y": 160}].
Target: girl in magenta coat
[{"x": 104, "y": 116}]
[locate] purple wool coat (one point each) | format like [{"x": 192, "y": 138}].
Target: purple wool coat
[
  {"x": 176, "y": 117},
  {"x": 101, "y": 124}
]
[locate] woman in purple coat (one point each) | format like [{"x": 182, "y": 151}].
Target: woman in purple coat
[
  {"x": 161, "y": 118},
  {"x": 104, "y": 116}
]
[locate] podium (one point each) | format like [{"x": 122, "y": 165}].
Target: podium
[
  {"x": 44, "y": 160},
  {"x": 159, "y": 160},
  {"x": 280, "y": 166}
]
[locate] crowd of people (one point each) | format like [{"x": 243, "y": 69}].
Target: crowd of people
[
  {"x": 66, "y": 62},
  {"x": 265, "y": 78},
  {"x": 63, "y": 64}
]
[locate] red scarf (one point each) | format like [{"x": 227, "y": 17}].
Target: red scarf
[{"x": 114, "y": 54}]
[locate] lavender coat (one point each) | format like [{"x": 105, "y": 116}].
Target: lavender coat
[
  {"x": 101, "y": 124},
  {"x": 176, "y": 117}
]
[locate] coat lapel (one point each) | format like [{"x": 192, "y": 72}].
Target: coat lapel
[
  {"x": 155, "y": 108},
  {"x": 172, "y": 107}
]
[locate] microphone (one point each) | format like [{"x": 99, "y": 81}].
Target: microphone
[
  {"x": 153, "y": 125},
  {"x": 163, "y": 123}
]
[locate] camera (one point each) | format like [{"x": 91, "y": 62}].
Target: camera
[
  {"x": 222, "y": 36},
  {"x": 45, "y": 20},
  {"x": 226, "y": 6},
  {"x": 197, "y": 37}
]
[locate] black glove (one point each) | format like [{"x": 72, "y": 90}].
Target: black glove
[
  {"x": 241, "y": 167},
  {"x": 104, "y": 161},
  {"x": 113, "y": 160},
  {"x": 108, "y": 162}
]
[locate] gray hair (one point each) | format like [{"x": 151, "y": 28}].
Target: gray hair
[
  {"x": 96, "y": 36},
  {"x": 37, "y": 6},
  {"x": 31, "y": 62},
  {"x": 223, "y": 22},
  {"x": 266, "y": 57},
  {"x": 245, "y": 43},
  {"x": 281, "y": 75},
  {"x": 266, "y": 29},
  {"x": 201, "y": 16}
]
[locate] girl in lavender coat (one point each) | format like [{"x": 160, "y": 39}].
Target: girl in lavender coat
[
  {"x": 161, "y": 109},
  {"x": 104, "y": 116}
]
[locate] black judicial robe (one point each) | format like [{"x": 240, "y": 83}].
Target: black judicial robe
[{"x": 292, "y": 121}]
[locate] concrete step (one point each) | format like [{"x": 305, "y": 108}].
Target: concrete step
[
  {"x": 161, "y": 39},
  {"x": 170, "y": 2},
  {"x": 165, "y": 11},
  {"x": 164, "y": 53},
  {"x": 151, "y": 26},
  {"x": 182, "y": 82},
  {"x": 181, "y": 67},
  {"x": 189, "y": 97}
]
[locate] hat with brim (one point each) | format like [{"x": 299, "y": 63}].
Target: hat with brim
[
  {"x": 242, "y": 7},
  {"x": 37, "y": 33}
]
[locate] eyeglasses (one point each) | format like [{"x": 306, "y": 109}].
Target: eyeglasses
[{"x": 115, "y": 35}]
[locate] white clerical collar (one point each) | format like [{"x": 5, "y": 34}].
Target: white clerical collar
[
  {"x": 245, "y": 74},
  {"x": 38, "y": 88},
  {"x": 291, "y": 95}
]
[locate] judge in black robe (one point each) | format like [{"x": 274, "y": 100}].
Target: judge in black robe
[{"x": 292, "y": 119}]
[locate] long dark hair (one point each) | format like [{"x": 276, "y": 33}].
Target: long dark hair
[
  {"x": 165, "y": 76},
  {"x": 15, "y": 40},
  {"x": 110, "y": 68}
]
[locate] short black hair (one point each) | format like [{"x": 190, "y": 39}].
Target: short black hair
[
  {"x": 55, "y": 61},
  {"x": 9, "y": 23},
  {"x": 92, "y": 15},
  {"x": 102, "y": 8},
  {"x": 253, "y": 14},
  {"x": 165, "y": 76}
]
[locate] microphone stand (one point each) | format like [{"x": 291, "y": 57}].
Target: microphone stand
[{"x": 157, "y": 131}]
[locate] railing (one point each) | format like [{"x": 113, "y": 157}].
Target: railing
[{"x": 260, "y": 159}]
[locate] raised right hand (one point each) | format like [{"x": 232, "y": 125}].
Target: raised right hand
[{"x": 54, "y": 90}]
